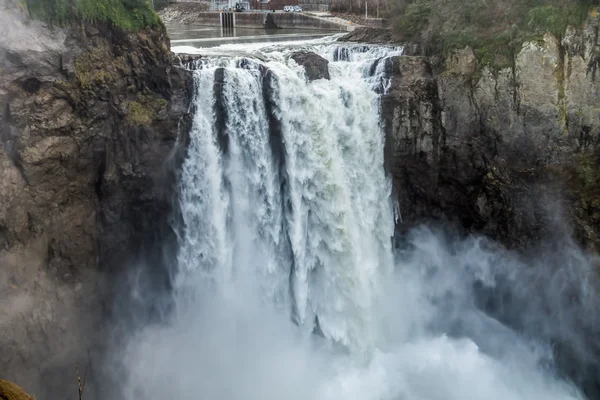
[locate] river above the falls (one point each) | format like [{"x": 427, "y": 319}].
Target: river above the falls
[{"x": 202, "y": 36}]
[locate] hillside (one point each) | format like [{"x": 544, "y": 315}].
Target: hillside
[
  {"x": 495, "y": 29},
  {"x": 130, "y": 15}
]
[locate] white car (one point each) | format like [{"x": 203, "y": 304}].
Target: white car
[
  {"x": 288, "y": 8},
  {"x": 297, "y": 9}
]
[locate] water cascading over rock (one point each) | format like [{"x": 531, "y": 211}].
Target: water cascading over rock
[{"x": 310, "y": 226}]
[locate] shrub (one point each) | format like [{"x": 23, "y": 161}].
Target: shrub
[
  {"x": 495, "y": 29},
  {"x": 130, "y": 15},
  {"x": 553, "y": 19},
  {"x": 415, "y": 17}
]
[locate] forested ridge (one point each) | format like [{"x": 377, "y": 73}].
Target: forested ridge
[{"x": 495, "y": 29}]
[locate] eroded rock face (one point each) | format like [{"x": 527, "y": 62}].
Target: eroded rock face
[
  {"x": 513, "y": 154},
  {"x": 89, "y": 123},
  {"x": 412, "y": 119},
  {"x": 369, "y": 35},
  {"x": 316, "y": 67}
]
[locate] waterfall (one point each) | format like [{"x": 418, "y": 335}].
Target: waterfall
[
  {"x": 287, "y": 286},
  {"x": 314, "y": 228}
]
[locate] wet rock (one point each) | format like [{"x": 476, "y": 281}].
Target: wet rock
[
  {"x": 369, "y": 35},
  {"x": 411, "y": 114},
  {"x": 87, "y": 186},
  {"x": 316, "y": 67},
  {"x": 511, "y": 154}
]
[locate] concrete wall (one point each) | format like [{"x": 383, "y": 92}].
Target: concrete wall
[
  {"x": 281, "y": 19},
  {"x": 302, "y": 21}
]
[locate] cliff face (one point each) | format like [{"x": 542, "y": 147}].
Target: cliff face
[
  {"x": 89, "y": 126},
  {"x": 513, "y": 154},
  {"x": 509, "y": 153}
]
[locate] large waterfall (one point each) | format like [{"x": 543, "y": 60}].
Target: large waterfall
[
  {"x": 287, "y": 286},
  {"x": 284, "y": 187}
]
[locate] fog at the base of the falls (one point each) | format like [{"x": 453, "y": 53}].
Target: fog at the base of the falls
[{"x": 433, "y": 341}]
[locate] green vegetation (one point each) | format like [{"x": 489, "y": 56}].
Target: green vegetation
[
  {"x": 130, "y": 15},
  {"x": 587, "y": 187},
  {"x": 144, "y": 108},
  {"x": 589, "y": 172},
  {"x": 98, "y": 67},
  {"x": 495, "y": 29}
]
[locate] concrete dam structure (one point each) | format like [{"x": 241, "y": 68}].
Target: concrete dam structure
[{"x": 273, "y": 20}]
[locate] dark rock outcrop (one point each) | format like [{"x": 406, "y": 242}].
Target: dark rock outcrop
[
  {"x": 370, "y": 35},
  {"x": 514, "y": 155},
  {"x": 270, "y": 22},
  {"x": 316, "y": 67},
  {"x": 414, "y": 134},
  {"x": 510, "y": 153},
  {"x": 89, "y": 127}
]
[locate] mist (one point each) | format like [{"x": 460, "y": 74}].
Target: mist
[{"x": 437, "y": 335}]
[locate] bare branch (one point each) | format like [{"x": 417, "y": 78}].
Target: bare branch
[{"x": 80, "y": 383}]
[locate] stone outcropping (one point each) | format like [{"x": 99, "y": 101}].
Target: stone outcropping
[
  {"x": 513, "y": 154},
  {"x": 509, "y": 153},
  {"x": 315, "y": 66},
  {"x": 370, "y": 35},
  {"x": 89, "y": 126}
]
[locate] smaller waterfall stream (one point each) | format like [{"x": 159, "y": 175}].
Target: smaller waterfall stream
[{"x": 287, "y": 232}]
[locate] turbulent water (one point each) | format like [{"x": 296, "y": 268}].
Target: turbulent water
[{"x": 287, "y": 284}]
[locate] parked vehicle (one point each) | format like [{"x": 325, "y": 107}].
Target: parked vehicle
[
  {"x": 288, "y": 8},
  {"x": 297, "y": 9}
]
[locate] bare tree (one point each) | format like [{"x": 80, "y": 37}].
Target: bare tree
[{"x": 80, "y": 383}]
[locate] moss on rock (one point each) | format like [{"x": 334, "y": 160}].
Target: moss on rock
[
  {"x": 584, "y": 185},
  {"x": 495, "y": 31},
  {"x": 98, "y": 67},
  {"x": 11, "y": 391},
  {"x": 144, "y": 109}
]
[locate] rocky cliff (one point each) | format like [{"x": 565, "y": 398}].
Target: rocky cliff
[
  {"x": 511, "y": 153},
  {"x": 89, "y": 126}
]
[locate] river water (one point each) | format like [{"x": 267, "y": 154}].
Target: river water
[
  {"x": 210, "y": 36},
  {"x": 287, "y": 284}
]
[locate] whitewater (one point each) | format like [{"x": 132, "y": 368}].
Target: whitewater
[{"x": 287, "y": 284}]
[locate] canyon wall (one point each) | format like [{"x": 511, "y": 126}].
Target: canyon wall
[
  {"x": 510, "y": 153},
  {"x": 513, "y": 154},
  {"x": 90, "y": 120}
]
